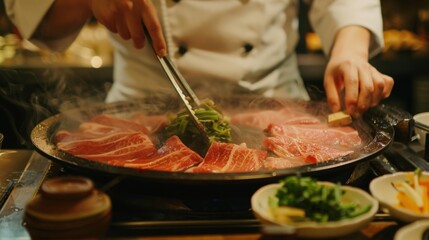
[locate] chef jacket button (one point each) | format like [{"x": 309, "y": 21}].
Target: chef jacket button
[
  {"x": 248, "y": 47},
  {"x": 182, "y": 50}
]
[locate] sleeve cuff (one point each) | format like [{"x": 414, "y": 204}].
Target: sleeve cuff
[{"x": 329, "y": 18}]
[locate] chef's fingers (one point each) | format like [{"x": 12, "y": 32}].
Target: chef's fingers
[
  {"x": 150, "y": 20},
  {"x": 332, "y": 93},
  {"x": 366, "y": 88},
  {"x": 351, "y": 85},
  {"x": 389, "y": 82},
  {"x": 111, "y": 27},
  {"x": 104, "y": 14},
  {"x": 134, "y": 23},
  {"x": 379, "y": 84},
  {"x": 122, "y": 27}
]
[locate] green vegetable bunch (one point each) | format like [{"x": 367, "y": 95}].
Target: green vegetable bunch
[
  {"x": 216, "y": 126},
  {"x": 321, "y": 203}
]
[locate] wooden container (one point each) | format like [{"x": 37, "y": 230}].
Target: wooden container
[{"x": 68, "y": 208}]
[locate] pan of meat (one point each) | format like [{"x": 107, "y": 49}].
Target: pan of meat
[{"x": 252, "y": 139}]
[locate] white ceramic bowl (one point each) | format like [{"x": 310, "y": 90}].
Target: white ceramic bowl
[
  {"x": 422, "y": 118},
  {"x": 261, "y": 209},
  {"x": 381, "y": 188},
  {"x": 413, "y": 230}
]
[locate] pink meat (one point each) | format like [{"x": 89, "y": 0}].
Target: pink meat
[
  {"x": 309, "y": 152},
  {"x": 228, "y": 157},
  {"x": 124, "y": 142},
  {"x": 118, "y": 146},
  {"x": 88, "y": 131},
  {"x": 261, "y": 119},
  {"x": 76, "y": 139},
  {"x": 173, "y": 156},
  {"x": 345, "y": 137}
]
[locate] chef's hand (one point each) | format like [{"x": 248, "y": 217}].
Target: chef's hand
[
  {"x": 126, "y": 17},
  {"x": 348, "y": 75}
]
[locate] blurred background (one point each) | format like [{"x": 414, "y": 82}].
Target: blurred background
[{"x": 35, "y": 84}]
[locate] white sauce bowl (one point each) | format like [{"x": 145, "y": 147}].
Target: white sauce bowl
[{"x": 422, "y": 118}]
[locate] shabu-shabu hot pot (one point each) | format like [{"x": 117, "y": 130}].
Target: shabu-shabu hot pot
[{"x": 375, "y": 129}]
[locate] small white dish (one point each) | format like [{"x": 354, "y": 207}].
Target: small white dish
[
  {"x": 382, "y": 189},
  {"x": 422, "y": 118},
  {"x": 413, "y": 230},
  {"x": 262, "y": 210}
]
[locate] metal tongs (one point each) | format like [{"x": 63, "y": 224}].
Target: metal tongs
[{"x": 182, "y": 88}]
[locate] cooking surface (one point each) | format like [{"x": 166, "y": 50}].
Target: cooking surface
[
  {"x": 152, "y": 210},
  {"x": 376, "y": 132}
]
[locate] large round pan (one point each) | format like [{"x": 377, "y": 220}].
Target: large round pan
[{"x": 376, "y": 132}]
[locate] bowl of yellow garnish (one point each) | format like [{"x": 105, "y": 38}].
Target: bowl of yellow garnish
[
  {"x": 404, "y": 195},
  {"x": 305, "y": 207}
]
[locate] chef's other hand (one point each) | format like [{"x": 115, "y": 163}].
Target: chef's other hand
[
  {"x": 125, "y": 17},
  {"x": 363, "y": 85},
  {"x": 350, "y": 75}
]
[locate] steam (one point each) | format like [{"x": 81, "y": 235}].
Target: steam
[{"x": 29, "y": 97}]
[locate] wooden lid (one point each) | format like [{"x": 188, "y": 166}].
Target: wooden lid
[{"x": 66, "y": 199}]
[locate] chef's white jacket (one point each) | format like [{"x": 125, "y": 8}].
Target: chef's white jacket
[{"x": 221, "y": 46}]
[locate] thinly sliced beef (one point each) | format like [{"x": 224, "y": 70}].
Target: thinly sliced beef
[
  {"x": 262, "y": 118},
  {"x": 344, "y": 137},
  {"x": 173, "y": 156},
  {"x": 89, "y": 130},
  {"x": 105, "y": 138},
  {"x": 228, "y": 157},
  {"x": 117, "y": 146},
  {"x": 309, "y": 152},
  {"x": 295, "y": 138},
  {"x": 75, "y": 140}
]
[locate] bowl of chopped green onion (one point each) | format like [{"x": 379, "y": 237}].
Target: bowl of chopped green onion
[
  {"x": 404, "y": 195},
  {"x": 308, "y": 208}
]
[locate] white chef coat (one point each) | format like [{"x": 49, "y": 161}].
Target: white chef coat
[{"x": 221, "y": 46}]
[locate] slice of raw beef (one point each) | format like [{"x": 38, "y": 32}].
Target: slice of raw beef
[
  {"x": 229, "y": 157},
  {"x": 117, "y": 146},
  {"x": 88, "y": 130},
  {"x": 262, "y": 118},
  {"x": 309, "y": 152},
  {"x": 344, "y": 137},
  {"x": 173, "y": 156}
]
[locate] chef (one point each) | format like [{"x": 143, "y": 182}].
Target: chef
[{"x": 232, "y": 46}]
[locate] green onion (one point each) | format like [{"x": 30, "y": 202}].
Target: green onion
[
  {"x": 215, "y": 125},
  {"x": 321, "y": 203}
]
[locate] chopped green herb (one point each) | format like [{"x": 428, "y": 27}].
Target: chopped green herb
[
  {"x": 216, "y": 126},
  {"x": 321, "y": 203}
]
